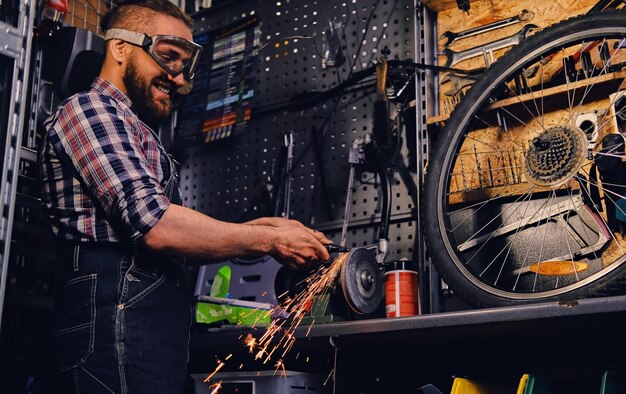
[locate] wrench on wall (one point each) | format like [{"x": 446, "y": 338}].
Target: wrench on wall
[
  {"x": 459, "y": 82},
  {"x": 453, "y": 57},
  {"x": 450, "y": 37}
]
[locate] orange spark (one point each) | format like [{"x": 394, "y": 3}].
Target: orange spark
[
  {"x": 215, "y": 387},
  {"x": 219, "y": 366},
  {"x": 250, "y": 342},
  {"x": 280, "y": 366},
  {"x": 311, "y": 326}
]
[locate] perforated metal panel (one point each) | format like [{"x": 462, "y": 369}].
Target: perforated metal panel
[{"x": 230, "y": 179}]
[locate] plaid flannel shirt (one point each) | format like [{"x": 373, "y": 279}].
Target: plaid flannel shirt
[{"x": 103, "y": 171}]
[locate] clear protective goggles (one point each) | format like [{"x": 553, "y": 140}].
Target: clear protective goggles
[{"x": 174, "y": 54}]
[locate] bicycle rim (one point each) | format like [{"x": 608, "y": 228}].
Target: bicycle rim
[{"x": 525, "y": 192}]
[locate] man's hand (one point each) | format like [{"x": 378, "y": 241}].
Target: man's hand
[
  {"x": 295, "y": 245},
  {"x": 289, "y": 223}
]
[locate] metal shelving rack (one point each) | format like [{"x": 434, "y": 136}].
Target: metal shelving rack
[{"x": 15, "y": 43}]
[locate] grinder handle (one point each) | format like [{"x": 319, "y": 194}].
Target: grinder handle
[{"x": 334, "y": 248}]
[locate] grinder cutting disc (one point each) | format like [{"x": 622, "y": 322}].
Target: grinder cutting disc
[{"x": 362, "y": 281}]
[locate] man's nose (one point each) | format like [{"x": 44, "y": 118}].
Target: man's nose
[{"x": 179, "y": 80}]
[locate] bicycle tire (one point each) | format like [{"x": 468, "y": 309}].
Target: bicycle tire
[{"x": 486, "y": 228}]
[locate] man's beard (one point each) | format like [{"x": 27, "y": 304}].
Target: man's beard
[{"x": 139, "y": 91}]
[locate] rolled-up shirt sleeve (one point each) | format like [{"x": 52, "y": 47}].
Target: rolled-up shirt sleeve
[{"x": 102, "y": 143}]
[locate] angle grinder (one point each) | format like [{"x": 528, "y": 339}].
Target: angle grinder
[{"x": 359, "y": 287}]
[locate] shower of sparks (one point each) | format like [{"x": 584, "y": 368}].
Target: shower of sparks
[
  {"x": 279, "y": 337},
  {"x": 280, "y": 333}
]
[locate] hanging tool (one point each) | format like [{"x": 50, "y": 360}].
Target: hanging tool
[
  {"x": 288, "y": 168},
  {"x": 605, "y": 55},
  {"x": 282, "y": 199},
  {"x": 456, "y": 57},
  {"x": 376, "y": 153},
  {"x": 459, "y": 82},
  {"x": 463, "y": 5},
  {"x": 587, "y": 64},
  {"x": 450, "y": 37},
  {"x": 569, "y": 68},
  {"x": 583, "y": 52},
  {"x": 355, "y": 157},
  {"x": 381, "y": 130},
  {"x": 332, "y": 55}
]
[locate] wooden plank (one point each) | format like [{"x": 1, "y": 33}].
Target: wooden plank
[
  {"x": 498, "y": 191},
  {"x": 614, "y": 82},
  {"x": 561, "y": 89},
  {"x": 437, "y": 118}
]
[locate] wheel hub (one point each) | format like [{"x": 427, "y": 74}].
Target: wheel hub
[{"x": 555, "y": 156}]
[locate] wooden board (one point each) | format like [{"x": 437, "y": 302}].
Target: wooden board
[{"x": 487, "y": 11}]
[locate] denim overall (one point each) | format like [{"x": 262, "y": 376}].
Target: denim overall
[{"x": 122, "y": 319}]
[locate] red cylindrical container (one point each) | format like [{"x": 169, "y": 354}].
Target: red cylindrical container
[{"x": 401, "y": 290}]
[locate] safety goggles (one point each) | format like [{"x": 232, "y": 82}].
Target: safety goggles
[{"x": 174, "y": 54}]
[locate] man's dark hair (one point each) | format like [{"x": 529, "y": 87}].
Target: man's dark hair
[{"x": 137, "y": 13}]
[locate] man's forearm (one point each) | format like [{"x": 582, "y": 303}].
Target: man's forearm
[{"x": 185, "y": 232}]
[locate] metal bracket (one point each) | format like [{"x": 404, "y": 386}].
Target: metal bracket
[{"x": 10, "y": 41}]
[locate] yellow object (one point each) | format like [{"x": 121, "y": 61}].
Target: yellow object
[
  {"x": 521, "y": 388},
  {"x": 534, "y": 384},
  {"x": 466, "y": 386},
  {"x": 558, "y": 267},
  {"x": 554, "y": 268}
]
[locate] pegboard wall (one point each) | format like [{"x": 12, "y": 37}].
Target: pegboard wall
[{"x": 234, "y": 179}]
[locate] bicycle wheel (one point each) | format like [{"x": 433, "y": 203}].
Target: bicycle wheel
[{"x": 524, "y": 193}]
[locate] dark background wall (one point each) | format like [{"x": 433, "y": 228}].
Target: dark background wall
[{"x": 229, "y": 179}]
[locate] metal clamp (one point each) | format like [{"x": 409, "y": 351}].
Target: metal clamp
[{"x": 10, "y": 41}]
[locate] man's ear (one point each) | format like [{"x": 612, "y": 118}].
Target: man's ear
[{"x": 119, "y": 50}]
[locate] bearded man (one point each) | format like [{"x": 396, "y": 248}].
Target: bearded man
[{"x": 122, "y": 313}]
